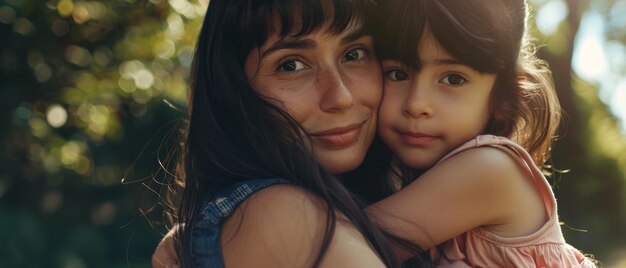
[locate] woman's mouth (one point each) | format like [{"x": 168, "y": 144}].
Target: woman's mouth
[{"x": 339, "y": 137}]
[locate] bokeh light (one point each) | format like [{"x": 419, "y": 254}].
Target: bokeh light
[
  {"x": 550, "y": 16},
  {"x": 56, "y": 115},
  {"x": 65, "y": 7},
  {"x": 60, "y": 27},
  {"x": 7, "y": 15},
  {"x": 77, "y": 55},
  {"x": 24, "y": 26},
  {"x": 22, "y": 115}
]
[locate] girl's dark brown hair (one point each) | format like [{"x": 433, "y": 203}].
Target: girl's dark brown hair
[{"x": 490, "y": 36}]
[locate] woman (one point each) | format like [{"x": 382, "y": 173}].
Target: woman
[{"x": 284, "y": 95}]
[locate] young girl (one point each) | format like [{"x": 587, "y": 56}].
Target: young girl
[{"x": 467, "y": 105}]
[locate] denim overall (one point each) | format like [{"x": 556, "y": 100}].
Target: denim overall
[{"x": 205, "y": 229}]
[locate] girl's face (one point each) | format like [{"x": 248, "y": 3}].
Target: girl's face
[
  {"x": 330, "y": 84},
  {"x": 425, "y": 114}
]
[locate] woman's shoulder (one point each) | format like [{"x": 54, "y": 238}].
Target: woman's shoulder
[
  {"x": 280, "y": 201},
  {"x": 283, "y": 195},
  {"x": 284, "y": 225},
  {"x": 274, "y": 219},
  {"x": 221, "y": 202},
  {"x": 279, "y": 204}
]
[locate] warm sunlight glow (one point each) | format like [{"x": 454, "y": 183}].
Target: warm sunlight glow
[
  {"x": 589, "y": 59},
  {"x": 550, "y": 15},
  {"x": 590, "y": 62}
]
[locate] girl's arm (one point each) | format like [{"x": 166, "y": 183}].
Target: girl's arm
[{"x": 478, "y": 187}]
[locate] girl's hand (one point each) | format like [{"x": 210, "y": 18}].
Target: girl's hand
[{"x": 165, "y": 255}]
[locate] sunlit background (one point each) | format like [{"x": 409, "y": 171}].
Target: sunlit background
[{"x": 92, "y": 92}]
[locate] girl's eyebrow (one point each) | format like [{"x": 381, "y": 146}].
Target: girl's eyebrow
[
  {"x": 447, "y": 62},
  {"x": 451, "y": 61},
  {"x": 310, "y": 43}
]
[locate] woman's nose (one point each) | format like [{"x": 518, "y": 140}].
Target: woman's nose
[{"x": 336, "y": 95}]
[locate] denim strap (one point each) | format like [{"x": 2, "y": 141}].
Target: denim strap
[{"x": 205, "y": 230}]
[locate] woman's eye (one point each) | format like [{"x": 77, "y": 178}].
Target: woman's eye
[
  {"x": 355, "y": 54},
  {"x": 397, "y": 75},
  {"x": 453, "y": 80},
  {"x": 291, "y": 66}
]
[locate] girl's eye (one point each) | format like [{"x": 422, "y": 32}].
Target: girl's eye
[
  {"x": 453, "y": 80},
  {"x": 291, "y": 66},
  {"x": 397, "y": 75},
  {"x": 355, "y": 54}
]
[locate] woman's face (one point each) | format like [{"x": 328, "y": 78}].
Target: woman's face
[{"x": 330, "y": 84}]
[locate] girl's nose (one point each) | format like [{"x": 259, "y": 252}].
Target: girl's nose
[{"x": 419, "y": 102}]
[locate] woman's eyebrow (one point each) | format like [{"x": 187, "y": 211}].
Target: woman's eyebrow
[
  {"x": 309, "y": 43},
  {"x": 289, "y": 44},
  {"x": 353, "y": 35}
]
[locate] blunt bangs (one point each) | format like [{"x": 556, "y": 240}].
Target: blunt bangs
[
  {"x": 471, "y": 36},
  {"x": 296, "y": 18},
  {"x": 399, "y": 32}
]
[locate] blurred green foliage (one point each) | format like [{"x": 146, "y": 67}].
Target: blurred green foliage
[
  {"x": 87, "y": 90},
  {"x": 82, "y": 94},
  {"x": 592, "y": 195}
]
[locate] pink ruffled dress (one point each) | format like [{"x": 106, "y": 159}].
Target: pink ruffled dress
[{"x": 481, "y": 248}]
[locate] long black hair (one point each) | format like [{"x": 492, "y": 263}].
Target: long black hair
[{"x": 233, "y": 134}]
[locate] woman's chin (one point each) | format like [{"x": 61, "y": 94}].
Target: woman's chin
[{"x": 341, "y": 162}]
